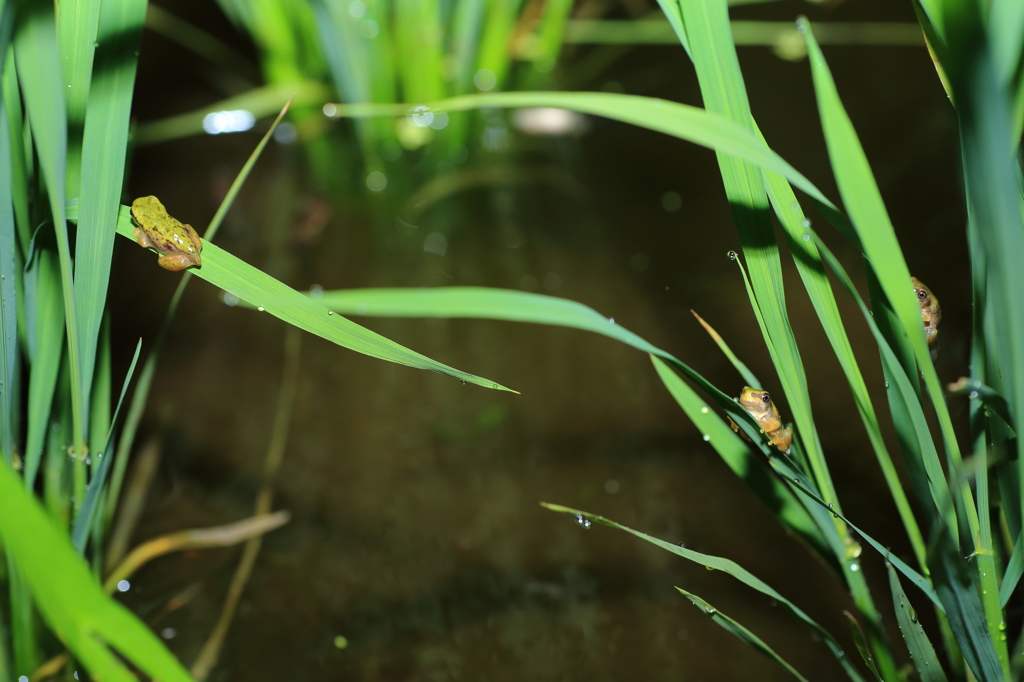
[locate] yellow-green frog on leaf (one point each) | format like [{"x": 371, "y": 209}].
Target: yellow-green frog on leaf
[
  {"x": 178, "y": 245},
  {"x": 760, "y": 406}
]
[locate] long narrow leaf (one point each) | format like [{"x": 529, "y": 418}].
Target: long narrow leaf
[
  {"x": 679, "y": 120},
  {"x": 745, "y": 635},
  {"x": 921, "y": 651},
  {"x": 103, "y": 159},
  {"x": 46, "y": 340},
  {"x": 84, "y": 518},
  {"x": 871, "y": 220},
  {"x": 242, "y": 280},
  {"x": 726, "y": 566},
  {"x": 812, "y": 273},
  {"x": 39, "y": 70},
  {"x": 8, "y": 274},
  {"x": 518, "y": 306},
  {"x": 70, "y": 599}
]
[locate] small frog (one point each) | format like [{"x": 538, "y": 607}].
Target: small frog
[
  {"x": 760, "y": 406},
  {"x": 931, "y": 313},
  {"x": 178, "y": 245}
]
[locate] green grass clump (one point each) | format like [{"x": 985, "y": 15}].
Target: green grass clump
[{"x": 967, "y": 571}]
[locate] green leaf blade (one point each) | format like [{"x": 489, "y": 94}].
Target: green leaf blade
[{"x": 250, "y": 284}]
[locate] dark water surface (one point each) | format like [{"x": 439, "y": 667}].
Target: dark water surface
[{"x": 416, "y": 531}]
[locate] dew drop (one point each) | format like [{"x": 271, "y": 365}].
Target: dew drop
[
  {"x": 260, "y": 308},
  {"x": 854, "y": 567},
  {"x": 732, "y": 255},
  {"x": 611, "y": 320},
  {"x": 704, "y": 410},
  {"x": 706, "y": 438}
]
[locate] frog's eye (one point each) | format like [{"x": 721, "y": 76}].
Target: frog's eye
[
  {"x": 765, "y": 398},
  {"x": 921, "y": 294}
]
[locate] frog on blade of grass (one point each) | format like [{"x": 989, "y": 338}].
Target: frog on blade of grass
[
  {"x": 760, "y": 406},
  {"x": 178, "y": 244}
]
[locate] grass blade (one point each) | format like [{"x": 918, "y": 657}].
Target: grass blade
[
  {"x": 250, "y": 284},
  {"x": 679, "y": 120},
  {"x": 1014, "y": 569},
  {"x": 39, "y": 70},
  {"x": 744, "y": 371},
  {"x": 867, "y": 212},
  {"x": 959, "y": 592},
  {"x": 224, "y": 535},
  {"x": 45, "y": 319},
  {"x": 726, "y": 566},
  {"x": 926, "y": 473},
  {"x": 518, "y": 306},
  {"x": 994, "y": 193},
  {"x": 262, "y": 101},
  {"x": 921, "y": 651},
  {"x": 84, "y": 518},
  {"x": 860, "y": 640},
  {"x": 69, "y": 598},
  {"x": 76, "y": 31},
  {"x": 812, "y": 274},
  {"x": 9, "y": 276},
  {"x": 103, "y": 160},
  {"x": 745, "y": 635},
  {"x": 494, "y": 53}
]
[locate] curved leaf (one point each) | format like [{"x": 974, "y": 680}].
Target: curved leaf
[{"x": 254, "y": 286}]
